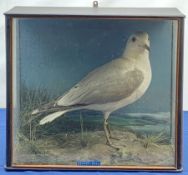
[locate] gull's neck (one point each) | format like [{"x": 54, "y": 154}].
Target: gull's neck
[
  {"x": 131, "y": 52},
  {"x": 140, "y": 59}
]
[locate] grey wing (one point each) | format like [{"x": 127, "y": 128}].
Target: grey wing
[{"x": 103, "y": 85}]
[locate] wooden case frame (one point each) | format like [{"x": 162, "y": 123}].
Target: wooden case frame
[{"x": 130, "y": 14}]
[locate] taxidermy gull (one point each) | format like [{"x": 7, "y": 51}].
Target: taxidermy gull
[{"x": 109, "y": 87}]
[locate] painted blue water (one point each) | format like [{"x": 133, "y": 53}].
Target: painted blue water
[{"x": 140, "y": 124}]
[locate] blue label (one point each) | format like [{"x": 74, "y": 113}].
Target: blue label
[{"x": 89, "y": 163}]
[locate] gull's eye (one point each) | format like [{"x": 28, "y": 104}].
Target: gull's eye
[{"x": 133, "y": 39}]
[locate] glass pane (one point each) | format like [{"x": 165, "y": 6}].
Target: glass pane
[{"x": 52, "y": 55}]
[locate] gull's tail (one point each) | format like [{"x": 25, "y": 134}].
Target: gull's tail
[
  {"x": 50, "y": 117},
  {"x": 51, "y": 111}
]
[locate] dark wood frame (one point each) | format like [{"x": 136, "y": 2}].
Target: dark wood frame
[{"x": 179, "y": 71}]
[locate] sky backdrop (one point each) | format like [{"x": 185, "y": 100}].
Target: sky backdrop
[{"x": 56, "y": 54}]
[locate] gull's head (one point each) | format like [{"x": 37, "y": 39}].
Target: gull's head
[{"x": 137, "y": 44}]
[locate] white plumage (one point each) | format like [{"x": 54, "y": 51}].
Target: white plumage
[{"x": 107, "y": 88}]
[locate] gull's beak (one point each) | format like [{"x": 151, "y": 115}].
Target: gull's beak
[{"x": 147, "y": 47}]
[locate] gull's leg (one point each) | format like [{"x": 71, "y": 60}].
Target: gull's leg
[
  {"x": 107, "y": 131},
  {"x": 108, "y": 142},
  {"x": 108, "y": 128},
  {"x": 111, "y": 137}
]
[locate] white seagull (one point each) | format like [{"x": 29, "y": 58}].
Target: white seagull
[{"x": 109, "y": 87}]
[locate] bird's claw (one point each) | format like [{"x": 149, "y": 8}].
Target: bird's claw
[
  {"x": 113, "y": 146},
  {"x": 114, "y": 138}
]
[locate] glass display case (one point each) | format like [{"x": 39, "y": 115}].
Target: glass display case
[{"x": 94, "y": 88}]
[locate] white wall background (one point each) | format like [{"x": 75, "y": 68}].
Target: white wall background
[{"x": 5, "y": 5}]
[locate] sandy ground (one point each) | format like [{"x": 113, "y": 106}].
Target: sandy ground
[{"x": 68, "y": 149}]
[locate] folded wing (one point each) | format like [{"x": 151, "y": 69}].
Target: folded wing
[{"x": 108, "y": 83}]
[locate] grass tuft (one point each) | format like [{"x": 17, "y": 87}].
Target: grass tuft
[
  {"x": 154, "y": 140},
  {"x": 83, "y": 134}
]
